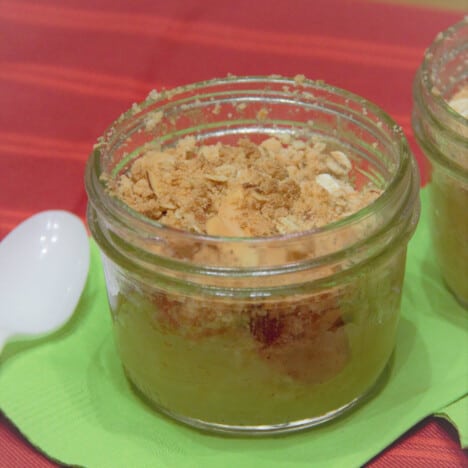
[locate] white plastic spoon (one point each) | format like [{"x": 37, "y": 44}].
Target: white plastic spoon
[{"x": 44, "y": 263}]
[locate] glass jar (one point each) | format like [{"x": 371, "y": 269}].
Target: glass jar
[
  {"x": 442, "y": 134},
  {"x": 292, "y": 330}
]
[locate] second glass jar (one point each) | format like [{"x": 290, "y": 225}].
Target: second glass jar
[{"x": 442, "y": 133}]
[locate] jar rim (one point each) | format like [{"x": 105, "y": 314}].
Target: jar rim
[
  {"x": 440, "y": 129},
  {"x": 427, "y": 77},
  {"x": 123, "y": 211}
]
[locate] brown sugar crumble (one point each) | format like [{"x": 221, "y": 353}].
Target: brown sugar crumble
[
  {"x": 279, "y": 186},
  {"x": 459, "y": 101}
]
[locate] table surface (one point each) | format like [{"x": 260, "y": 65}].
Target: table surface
[{"x": 67, "y": 69}]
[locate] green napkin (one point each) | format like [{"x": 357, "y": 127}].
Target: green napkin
[
  {"x": 67, "y": 394},
  {"x": 457, "y": 414}
]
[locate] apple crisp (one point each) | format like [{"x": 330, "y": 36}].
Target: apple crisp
[{"x": 276, "y": 187}]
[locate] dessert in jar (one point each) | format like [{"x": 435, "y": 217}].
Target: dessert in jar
[
  {"x": 440, "y": 122},
  {"x": 254, "y": 233}
]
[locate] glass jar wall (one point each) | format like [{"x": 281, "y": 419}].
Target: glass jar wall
[
  {"x": 293, "y": 329},
  {"x": 442, "y": 132}
]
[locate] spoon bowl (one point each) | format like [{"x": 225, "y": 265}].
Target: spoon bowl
[{"x": 44, "y": 264}]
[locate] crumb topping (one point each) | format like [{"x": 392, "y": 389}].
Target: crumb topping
[
  {"x": 459, "y": 101},
  {"x": 279, "y": 186}
]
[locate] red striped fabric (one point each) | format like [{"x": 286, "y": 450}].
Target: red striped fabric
[
  {"x": 189, "y": 31},
  {"x": 67, "y": 69}
]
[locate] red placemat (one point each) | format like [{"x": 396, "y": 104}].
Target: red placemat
[{"x": 67, "y": 69}]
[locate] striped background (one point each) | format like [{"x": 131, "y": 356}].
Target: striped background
[{"x": 68, "y": 68}]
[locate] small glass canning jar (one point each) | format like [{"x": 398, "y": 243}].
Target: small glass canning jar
[
  {"x": 292, "y": 330},
  {"x": 442, "y": 133}
]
